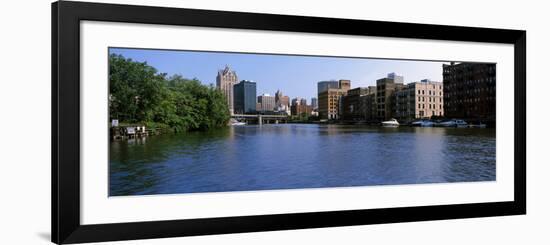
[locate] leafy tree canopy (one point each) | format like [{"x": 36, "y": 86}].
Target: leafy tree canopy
[{"x": 138, "y": 93}]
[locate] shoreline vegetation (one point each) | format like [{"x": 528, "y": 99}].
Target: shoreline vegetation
[{"x": 140, "y": 95}]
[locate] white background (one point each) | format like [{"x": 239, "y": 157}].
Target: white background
[
  {"x": 25, "y": 109},
  {"x": 97, "y": 208}
]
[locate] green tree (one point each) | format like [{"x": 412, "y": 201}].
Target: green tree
[
  {"x": 135, "y": 89},
  {"x": 138, "y": 93},
  {"x": 199, "y": 107}
]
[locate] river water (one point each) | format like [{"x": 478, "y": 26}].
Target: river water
[{"x": 286, "y": 156}]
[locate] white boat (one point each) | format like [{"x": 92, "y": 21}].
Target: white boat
[
  {"x": 390, "y": 123},
  {"x": 238, "y": 123},
  {"x": 234, "y": 122}
]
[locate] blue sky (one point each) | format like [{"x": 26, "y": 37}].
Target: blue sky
[{"x": 295, "y": 76}]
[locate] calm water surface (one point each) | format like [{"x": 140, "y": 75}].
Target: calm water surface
[{"x": 285, "y": 156}]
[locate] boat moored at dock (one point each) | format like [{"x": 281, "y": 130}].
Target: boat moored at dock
[{"x": 390, "y": 123}]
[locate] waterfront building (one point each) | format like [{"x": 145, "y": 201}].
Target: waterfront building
[
  {"x": 359, "y": 104},
  {"x": 314, "y": 103},
  {"x": 244, "y": 98},
  {"x": 267, "y": 103},
  {"x": 329, "y": 98},
  {"x": 385, "y": 89},
  {"x": 470, "y": 91},
  {"x": 422, "y": 99},
  {"x": 369, "y": 101},
  {"x": 225, "y": 80}
]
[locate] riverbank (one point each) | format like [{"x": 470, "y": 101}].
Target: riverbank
[{"x": 138, "y": 130}]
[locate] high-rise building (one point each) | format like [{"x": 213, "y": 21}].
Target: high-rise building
[
  {"x": 344, "y": 84},
  {"x": 225, "y": 80},
  {"x": 325, "y": 85},
  {"x": 314, "y": 103},
  {"x": 329, "y": 98},
  {"x": 358, "y": 104},
  {"x": 303, "y": 101},
  {"x": 267, "y": 102},
  {"x": 469, "y": 91},
  {"x": 385, "y": 89},
  {"x": 282, "y": 102},
  {"x": 244, "y": 98},
  {"x": 422, "y": 99},
  {"x": 296, "y": 101}
]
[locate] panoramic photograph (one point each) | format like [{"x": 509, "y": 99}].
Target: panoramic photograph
[{"x": 185, "y": 121}]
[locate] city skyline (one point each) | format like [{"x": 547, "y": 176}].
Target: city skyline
[{"x": 271, "y": 72}]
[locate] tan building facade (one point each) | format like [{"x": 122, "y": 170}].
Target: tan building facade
[
  {"x": 267, "y": 103},
  {"x": 329, "y": 100},
  {"x": 225, "y": 80},
  {"x": 416, "y": 100}
]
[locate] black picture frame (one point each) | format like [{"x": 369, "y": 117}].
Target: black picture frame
[{"x": 65, "y": 171}]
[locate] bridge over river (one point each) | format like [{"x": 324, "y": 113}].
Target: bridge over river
[{"x": 261, "y": 119}]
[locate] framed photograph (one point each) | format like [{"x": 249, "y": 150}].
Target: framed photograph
[{"x": 177, "y": 122}]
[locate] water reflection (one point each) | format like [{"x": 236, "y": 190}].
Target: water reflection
[{"x": 287, "y": 156}]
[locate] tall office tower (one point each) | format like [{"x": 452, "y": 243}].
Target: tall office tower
[
  {"x": 225, "y": 80},
  {"x": 244, "y": 98}
]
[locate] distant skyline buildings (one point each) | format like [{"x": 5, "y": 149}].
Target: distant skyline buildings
[
  {"x": 267, "y": 102},
  {"x": 244, "y": 98},
  {"x": 282, "y": 101},
  {"x": 272, "y": 72},
  {"x": 225, "y": 80},
  {"x": 314, "y": 103}
]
